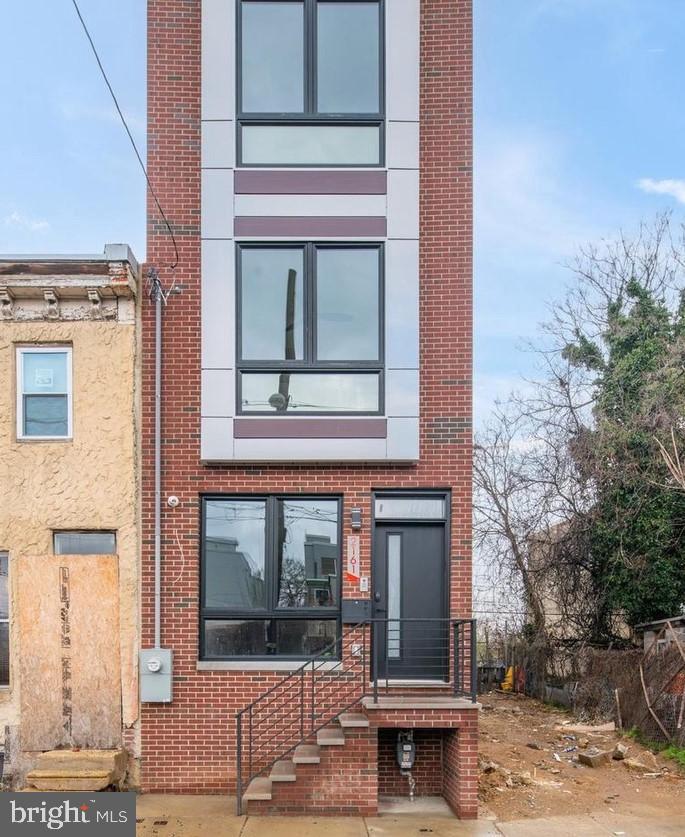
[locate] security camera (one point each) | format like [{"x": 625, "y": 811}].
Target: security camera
[{"x": 173, "y": 501}]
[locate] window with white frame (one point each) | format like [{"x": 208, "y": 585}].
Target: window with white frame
[
  {"x": 4, "y": 620},
  {"x": 44, "y": 392}
]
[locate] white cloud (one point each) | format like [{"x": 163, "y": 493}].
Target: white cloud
[
  {"x": 24, "y": 222},
  {"x": 671, "y": 187}
]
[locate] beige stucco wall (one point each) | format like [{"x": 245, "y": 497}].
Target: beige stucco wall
[{"x": 89, "y": 482}]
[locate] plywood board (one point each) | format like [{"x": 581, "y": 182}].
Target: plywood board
[{"x": 68, "y": 618}]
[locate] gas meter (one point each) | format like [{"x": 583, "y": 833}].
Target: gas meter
[{"x": 406, "y": 750}]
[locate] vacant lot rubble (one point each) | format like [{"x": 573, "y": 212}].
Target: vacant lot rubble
[{"x": 534, "y": 762}]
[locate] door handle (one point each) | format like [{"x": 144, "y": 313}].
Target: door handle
[{"x": 376, "y": 597}]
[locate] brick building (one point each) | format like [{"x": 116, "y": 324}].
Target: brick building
[{"x": 314, "y": 159}]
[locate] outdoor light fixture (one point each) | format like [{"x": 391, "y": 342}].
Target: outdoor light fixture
[{"x": 356, "y": 518}]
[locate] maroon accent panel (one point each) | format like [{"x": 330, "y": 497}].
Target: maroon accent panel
[
  {"x": 265, "y": 225},
  {"x": 310, "y": 182},
  {"x": 310, "y": 428}
]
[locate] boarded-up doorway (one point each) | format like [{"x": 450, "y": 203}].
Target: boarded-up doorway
[{"x": 69, "y": 663}]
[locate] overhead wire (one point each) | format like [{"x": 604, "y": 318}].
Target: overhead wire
[{"x": 130, "y": 136}]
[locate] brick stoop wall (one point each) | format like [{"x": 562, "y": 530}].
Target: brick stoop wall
[
  {"x": 344, "y": 783},
  {"x": 188, "y": 746},
  {"x": 459, "y": 729},
  {"x": 350, "y": 778}
]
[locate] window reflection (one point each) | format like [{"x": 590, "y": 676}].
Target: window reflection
[
  {"x": 273, "y": 57},
  {"x": 235, "y": 554},
  {"x": 298, "y": 638},
  {"x": 308, "y": 554},
  {"x": 271, "y": 303},
  {"x": 309, "y": 392},
  {"x": 348, "y": 57}
]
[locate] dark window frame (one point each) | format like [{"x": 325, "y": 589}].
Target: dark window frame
[
  {"x": 310, "y": 116},
  {"x": 271, "y": 611},
  {"x": 310, "y": 363}
]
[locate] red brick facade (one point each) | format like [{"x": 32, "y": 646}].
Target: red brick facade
[{"x": 188, "y": 746}]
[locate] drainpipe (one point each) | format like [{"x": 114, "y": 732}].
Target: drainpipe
[
  {"x": 156, "y": 675},
  {"x": 157, "y": 292}
]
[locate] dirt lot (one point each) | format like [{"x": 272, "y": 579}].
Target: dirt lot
[{"x": 530, "y": 768}]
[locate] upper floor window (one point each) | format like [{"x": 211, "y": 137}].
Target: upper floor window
[
  {"x": 310, "y": 328},
  {"x": 44, "y": 392},
  {"x": 310, "y": 89}
]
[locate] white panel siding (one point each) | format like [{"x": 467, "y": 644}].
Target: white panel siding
[
  {"x": 220, "y": 205},
  {"x": 218, "y": 305},
  {"x": 218, "y": 392},
  {"x": 311, "y": 205},
  {"x": 310, "y": 450},
  {"x": 218, "y": 144},
  {"x": 402, "y": 64},
  {"x": 403, "y": 203},
  {"x": 217, "y": 203},
  {"x": 218, "y": 59},
  {"x": 403, "y": 145},
  {"x": 217, "y": 439},
  {"x": 403, "y": 438},
  {"x": 402, "y": 304},
  {"x": 402, "y": 393}
]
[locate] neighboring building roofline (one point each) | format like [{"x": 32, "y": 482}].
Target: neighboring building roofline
[{"x": 112, "y": 253}]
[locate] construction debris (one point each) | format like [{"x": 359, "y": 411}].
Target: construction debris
[
  {"x": 594, "y": 757},
  {"x": 620, "y": 751}
]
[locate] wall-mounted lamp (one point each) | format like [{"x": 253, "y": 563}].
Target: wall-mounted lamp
[{"x": 356, "y": 518}]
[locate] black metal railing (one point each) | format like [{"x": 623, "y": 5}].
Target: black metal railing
[{"x": 368, "y": 659}]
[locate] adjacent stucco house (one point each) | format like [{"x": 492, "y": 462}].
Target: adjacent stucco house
[{"x": 69, "y": 517}]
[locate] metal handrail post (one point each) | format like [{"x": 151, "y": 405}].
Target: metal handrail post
[
  {"x": 474, "y": 662},
  {"x": 455, "y": 657},
  {"x": 375, "y": 661},
  {"x": 239, "y": 764},
  {"x": 302, "y": 704},
  {"x": 249, "y": 744},
  {"x": 312, "y": 714}
]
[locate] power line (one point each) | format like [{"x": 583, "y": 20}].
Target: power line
[{"x": 130, "y": 135}]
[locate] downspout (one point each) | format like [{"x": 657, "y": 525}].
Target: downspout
[{"x": 157, "y": 292}]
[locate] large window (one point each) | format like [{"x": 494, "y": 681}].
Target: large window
[
  {"x": 310, "y": 329},
  {"x": 43, "y": 392},
  {"x": 270, "y": 576},
  {"x": 4, "y": 620},
  {"x": 310, "y": 82}
]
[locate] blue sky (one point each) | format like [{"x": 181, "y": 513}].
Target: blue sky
[{"x": 579, "y": 133}]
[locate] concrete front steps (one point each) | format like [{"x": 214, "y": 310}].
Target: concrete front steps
[
  {"x": 318, "y": 778},
  {"x": 78, "y": 770}
]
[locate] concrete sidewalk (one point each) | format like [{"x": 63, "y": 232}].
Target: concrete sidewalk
[{"x": 214, "y": 816}]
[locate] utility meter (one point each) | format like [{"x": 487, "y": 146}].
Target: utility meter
[{"x": 406, "y": 750}]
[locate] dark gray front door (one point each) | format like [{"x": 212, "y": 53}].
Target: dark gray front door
[{"x": 412, "y": 636}]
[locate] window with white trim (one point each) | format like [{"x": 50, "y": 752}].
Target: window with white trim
[
  {"x": 44, "y": 392},
  {"x": 4, "y": 620}
]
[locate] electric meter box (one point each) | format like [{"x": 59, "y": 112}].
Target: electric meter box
[
  {"x": 156, "y": 675},
  {"x": 406, "y": 754}
]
